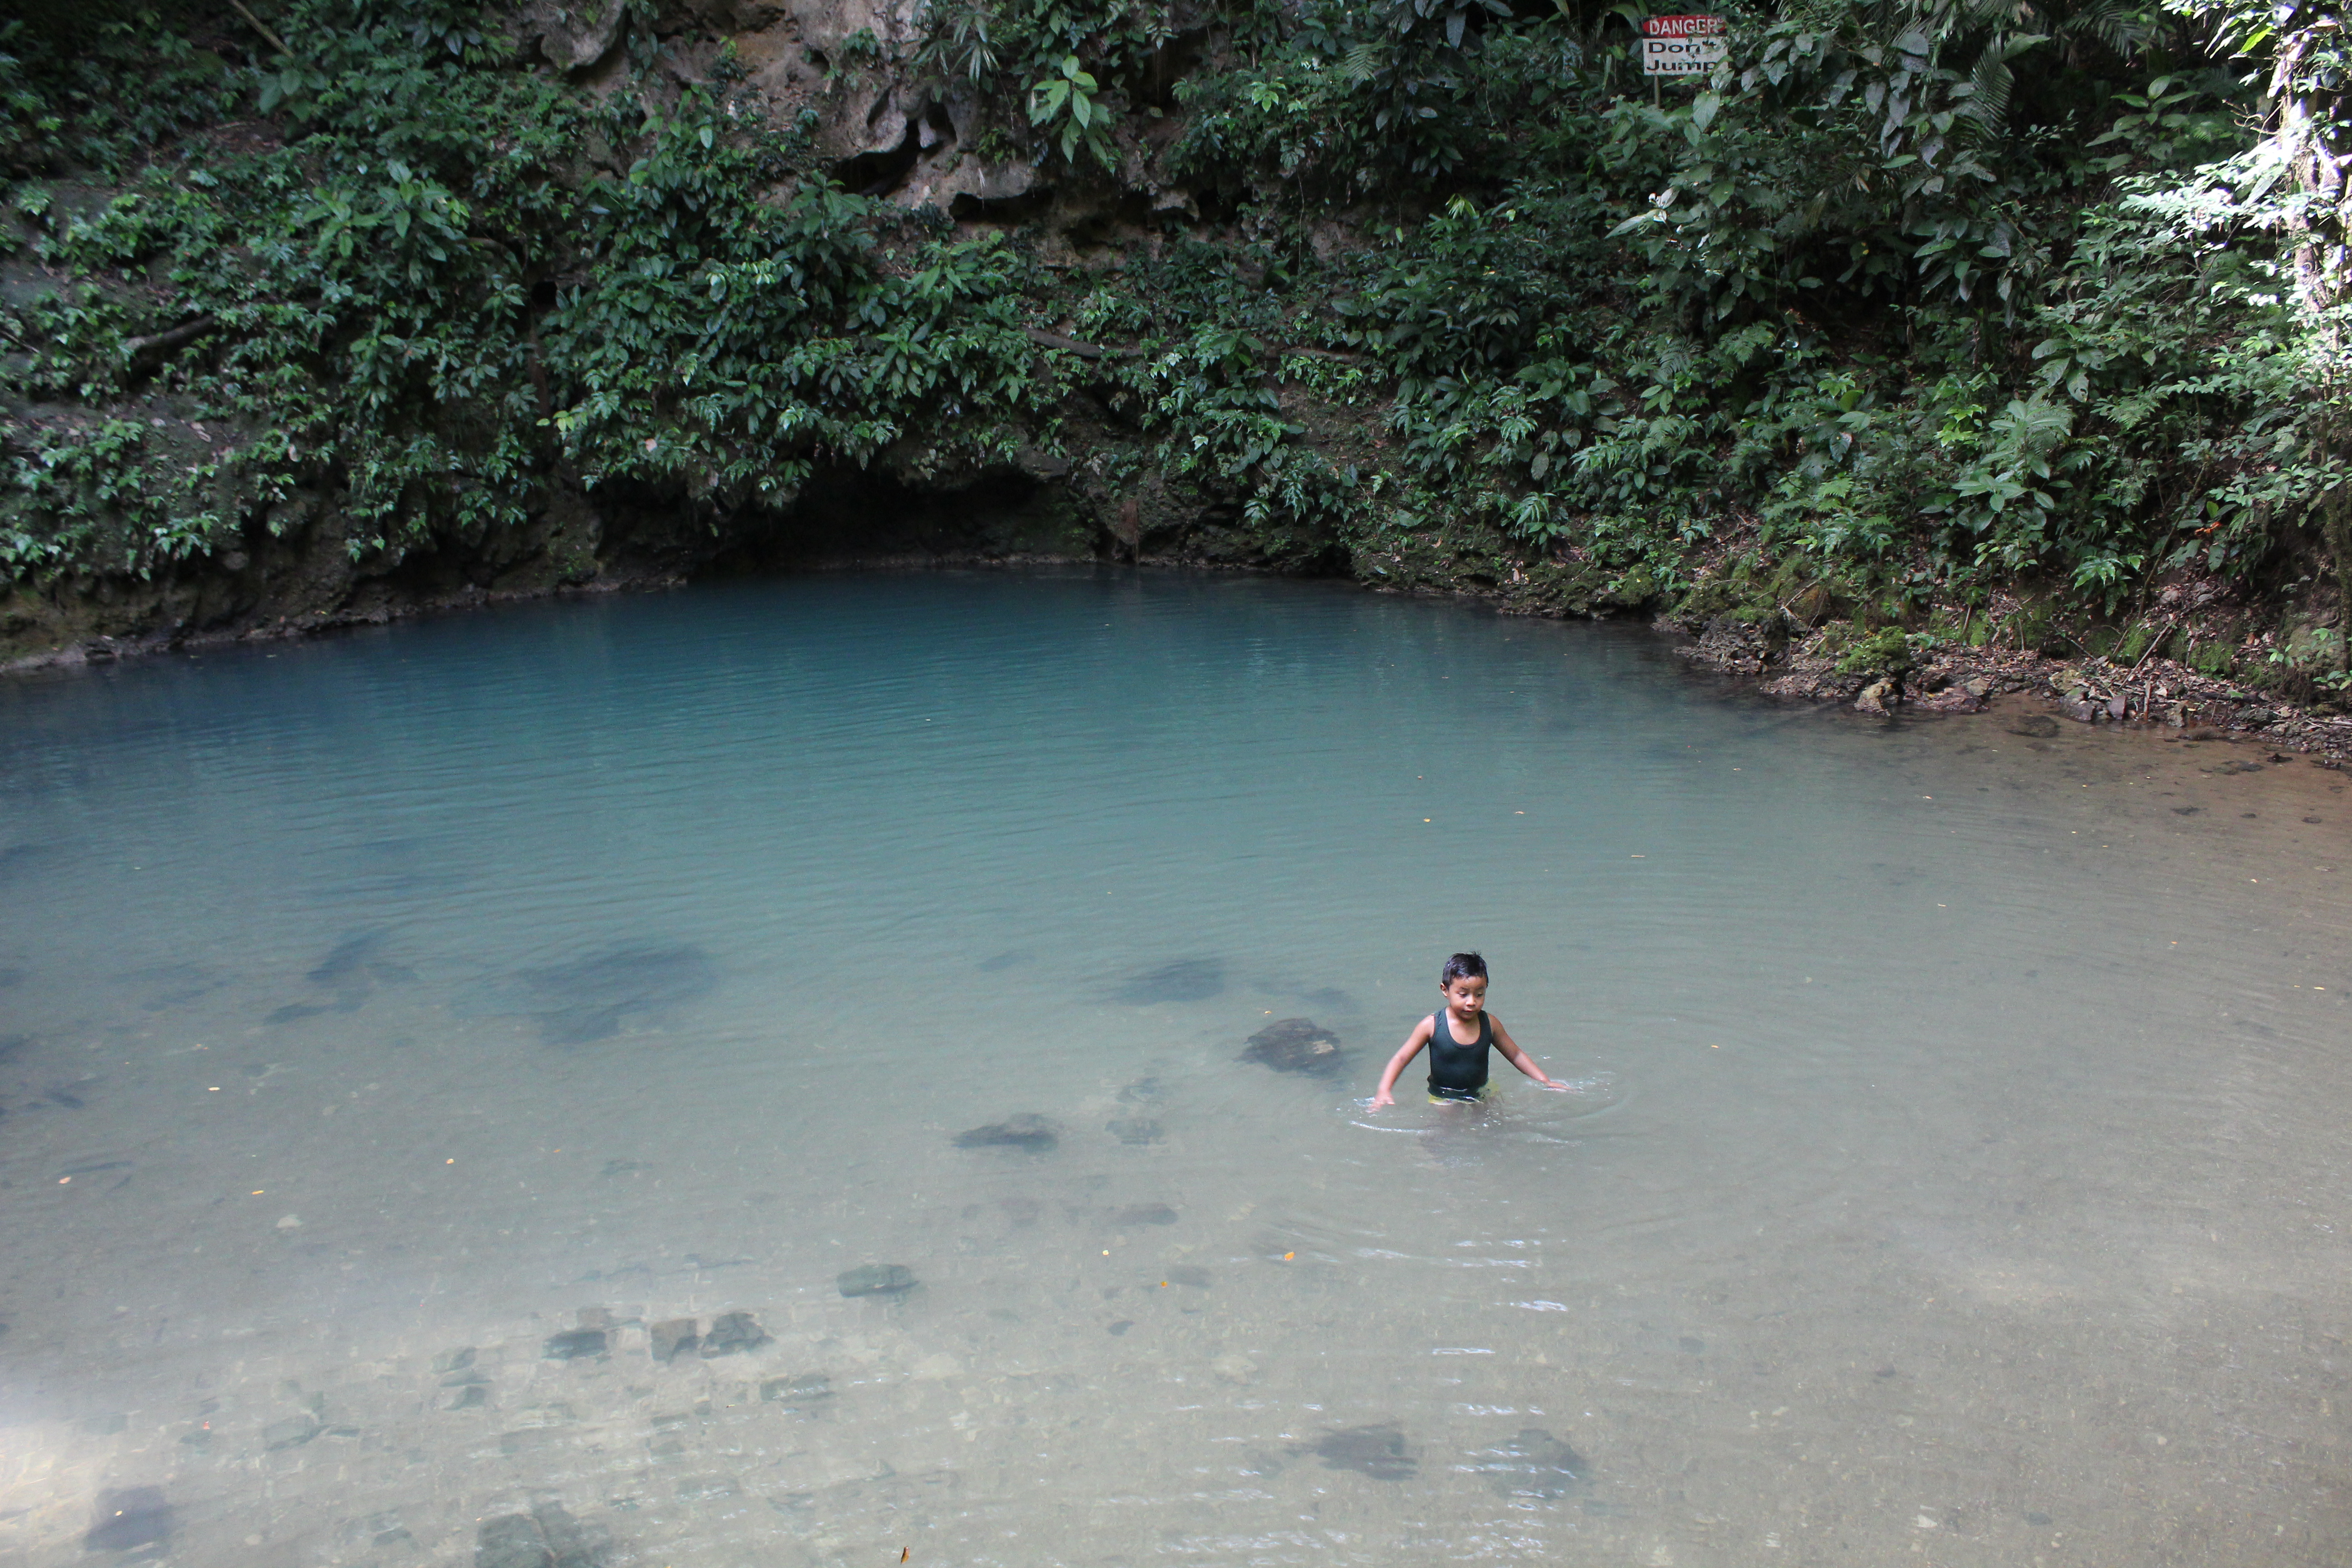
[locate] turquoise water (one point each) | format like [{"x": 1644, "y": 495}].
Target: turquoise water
[{"x": 399, "y": 1027}]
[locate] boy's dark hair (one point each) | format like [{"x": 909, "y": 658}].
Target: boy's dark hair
[{"x": 1462, "y": 966}]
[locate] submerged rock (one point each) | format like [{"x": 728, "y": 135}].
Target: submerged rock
[
  {"x": 132, "y": 1517},
  {"x": 875, "y": 1279},
  {"x": 1376, "y": 1451},
  {"x": 1188, "y": 1274},
  {"x": 546, "y": 1537},
  {"x": 169, "y": 985},
  {"x": 1186, "y": 980},
  {"x": 797, "y": 1392},
  {"x": 351, "y": 970},
  {"x": 1145, "y": 1214},
  {"x": 357, "y": 959},
  {"x": 2035, "y": 726},
  {"x": 290, "y": 1433},
  {"x": 673, "y": 1336},
  {"x": 593, "y": 998},
  {"x": 574, "y": 1344},
  {"x": 1296, "y": 1045},
  {"x": 1532, "y": 1464},
  {"x": 1141, "y": 1130},
  {"x": 731, "y": 1333},
  {"x": 1026, "y": 1130}
]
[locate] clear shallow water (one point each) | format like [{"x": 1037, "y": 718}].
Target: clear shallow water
[{"x": 1956, "y": 1170}]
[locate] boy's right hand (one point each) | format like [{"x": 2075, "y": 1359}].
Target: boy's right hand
[{"x": 1383, "y": 1097}]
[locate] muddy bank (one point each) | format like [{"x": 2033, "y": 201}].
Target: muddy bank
[{"x": 1817, "y": 664}]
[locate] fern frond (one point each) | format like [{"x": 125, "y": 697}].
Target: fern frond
[
  {"x": 2123, "y": 26},
  {"x": 1986, "y": 108}
]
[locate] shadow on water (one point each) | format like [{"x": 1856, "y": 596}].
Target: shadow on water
[
  {"x": 1186, "y": 980},
  {"x": 594, "y": 997}
]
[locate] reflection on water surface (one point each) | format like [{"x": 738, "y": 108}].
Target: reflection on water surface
[{"x": 793, "y": 1072}]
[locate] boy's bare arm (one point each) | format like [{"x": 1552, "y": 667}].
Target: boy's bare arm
[
  {"x": 1520, "y": 1059},
  {"x": 1405, "y": 1053}
]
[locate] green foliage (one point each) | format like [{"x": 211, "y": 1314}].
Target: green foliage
[
  {"x": 1911, "y": 298},
  {"x": 1349, "y": 101},
  {"x": 729, "y": 345},
  {"x": 1026, "y": 38},
  {"x": 862, "y": 50},
  {"x": 67, "y": 103},
  {"x": 1212, "y": 397},
  {"x": 96, "y": 490},
  {"x": 1068, "y": 107},
  {"x": 424, "y": 320}
]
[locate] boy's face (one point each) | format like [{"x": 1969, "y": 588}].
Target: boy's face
[{"x": 1467, "y": 995}]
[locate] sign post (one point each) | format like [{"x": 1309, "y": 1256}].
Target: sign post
[{"x": 1681, "y": 46}]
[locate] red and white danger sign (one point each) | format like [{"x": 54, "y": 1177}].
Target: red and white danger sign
[
  {"x": 1681, "y": 26},
  {"x": 1681, "y": 46}
]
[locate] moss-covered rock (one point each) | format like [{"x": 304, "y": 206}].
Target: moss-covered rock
[
  {"x": 1884, "y": 651},
  {"x": 2216, "y": 659}
]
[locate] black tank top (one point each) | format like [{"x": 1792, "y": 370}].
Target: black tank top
[{"x": 1458, "y": 1071}]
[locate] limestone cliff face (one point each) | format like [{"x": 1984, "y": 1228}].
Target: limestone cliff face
[{"x": 891, "y": 131}]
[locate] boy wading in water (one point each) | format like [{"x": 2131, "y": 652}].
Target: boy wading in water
[{"x": 1457, "y": 1036}]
